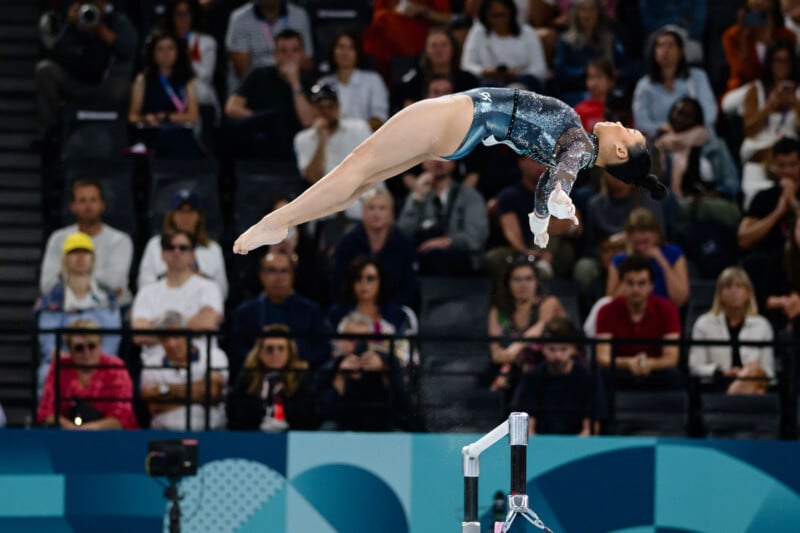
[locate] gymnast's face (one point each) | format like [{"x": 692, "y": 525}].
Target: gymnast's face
[{"x": 614, "y": 139}]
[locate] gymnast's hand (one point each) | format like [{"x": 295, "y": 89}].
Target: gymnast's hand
[
  {"x": 560, "y": 205},
  {"x": 260, "y": 234}
]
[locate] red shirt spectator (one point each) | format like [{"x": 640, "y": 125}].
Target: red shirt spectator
[
  {"x": 102, "y": 383},
  {"x": 660, "y": 318},
  {"x": 739, "y": 43},
  {"x": 399, "y": 28}
]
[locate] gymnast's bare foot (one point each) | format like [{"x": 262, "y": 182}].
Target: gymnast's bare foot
[{"x": 259, "y": 234}]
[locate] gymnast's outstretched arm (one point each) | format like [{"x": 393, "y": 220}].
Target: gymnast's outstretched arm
[{"x": 427, "y": 129}]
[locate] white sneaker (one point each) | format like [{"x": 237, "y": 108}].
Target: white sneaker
[{"x": 560, "y": 205}]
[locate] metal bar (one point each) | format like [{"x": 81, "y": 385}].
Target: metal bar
[
  {"x": 188, "y": 340},
  {"x": 57, "y": 384},
  {"x": 207, "y": 395},
  {"x": 470, "y": 499}
]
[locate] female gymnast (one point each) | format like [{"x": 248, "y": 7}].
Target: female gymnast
[{"x": 541, "y": 127}]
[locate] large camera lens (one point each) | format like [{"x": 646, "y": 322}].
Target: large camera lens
[{"x": 88, "y": 15}]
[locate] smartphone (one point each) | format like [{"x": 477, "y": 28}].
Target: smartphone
[{"x": 754, "y": 18}]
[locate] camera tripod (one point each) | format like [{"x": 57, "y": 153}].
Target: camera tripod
[{"x": 171, "y": 494}]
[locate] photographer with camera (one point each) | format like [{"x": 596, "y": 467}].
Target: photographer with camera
[
  {"x": 362, "y": 388},
  {"x": 90, "y": 60}
]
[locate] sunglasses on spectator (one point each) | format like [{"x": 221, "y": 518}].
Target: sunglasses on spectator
[
  {"x": 183, "y": 248},
  {"x": 80, "y": 347}
]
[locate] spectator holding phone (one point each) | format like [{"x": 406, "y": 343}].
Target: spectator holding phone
[
  {"x": 759, "y": 25},
  {"x": 364, "y": 388}
]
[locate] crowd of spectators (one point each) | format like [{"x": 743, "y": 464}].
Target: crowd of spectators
[{"x": 277, "y": 92}]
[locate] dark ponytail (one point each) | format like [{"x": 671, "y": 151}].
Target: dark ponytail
[{"x": 636, "y": 171}]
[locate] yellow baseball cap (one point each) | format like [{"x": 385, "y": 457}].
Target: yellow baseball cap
[{"x": 78, "y": 241}]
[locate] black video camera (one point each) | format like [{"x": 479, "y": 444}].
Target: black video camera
[{"x": 173, "y": 458}]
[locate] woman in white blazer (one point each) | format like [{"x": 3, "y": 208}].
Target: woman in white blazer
[{"x": 734, "y": 317}]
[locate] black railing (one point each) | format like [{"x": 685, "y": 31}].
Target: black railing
[{"x": 784, "y": 349}]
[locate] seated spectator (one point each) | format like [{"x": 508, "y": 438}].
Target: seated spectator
[
  {"x": 253, "y": 34},
  {"x": 588, "y": 38},
  {"x": 512, "y": 208},
  {"x": 90, "y": 397},
  {"x": 639, "y": 314},
  {"x": 183, "y": 18},
  {"x": 362, "y": 93},
  {"x": 688, "y": 15},
  {"x": 733, "y": 318},
  {"x": 311, "y": 269},
  {"x": 322, "y": 146},
  {"x": 441, "y": 57},
  {"x": 759, "y": 26},
  {"x": 185, "y": 215},
  {"x": 696, "y": 160},
  {"x": 499, "y": 51},
  {"x": 163, "y": 99},
  {"x": 113, "y": 249},
  {"x": 518, "y": 311},
  {"x": 270, "y": 106},
  {"x": 558, "y": 391},
  {"x": 378, "y": 237},
  {"x": 448, "y": 221},
  {"x": 606, "y": 215},
  {"x": 364, "y": 292},
  {"x": 362, "y": 389},
  {"x": 279, "y": 304},
  {"x": 600, "y": 79},
  {"x": 770, "y": 104},
  {"x": 182, "y": 290},
  {"x": 164, "y": 380},
  {"x": 77, "y": 295},
  {"x": 764, "y": 228},
  {"x": 669, "y": 79},
  {"x": 783, "y": 292},
  {"x": 274, "y": 389},
  {"x": 89, "y": 63},
  {"x": 398, "y": 29},
  {"x": 644, "y": 238}
]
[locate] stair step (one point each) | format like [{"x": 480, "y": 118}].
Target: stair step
[
  {"x": 16, "y": 273},
  {"x": 16, "y": 141},
  {"x": 21, "y": 254},
  {"x": 17, "y": 353},
  {"x": 19, "y": 50},
  {"x": 22, "y": 293},
  {"x": 20, "y": 161},
  {"x": 17, "y": 85},
  {"x": 22, "y": 235},
  {"x": 11, "y": 67},
  {"x": 15, "y": 376},
  {"x": 21, "y": 199},
  {"x": 16, "y": 314},
  {"x": 19, "y": 416},
  {"x": 17, "y": 123},
  {"x": 20, "y": 12},
  {"x": 20, "y": 179},
  {"x": 17, "y": 105},
  {"x": 19, "y": 32},
  {"x": 20, "y": 218}
]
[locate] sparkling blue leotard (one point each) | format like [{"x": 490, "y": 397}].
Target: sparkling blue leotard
[{"x": 543, "y": 128}]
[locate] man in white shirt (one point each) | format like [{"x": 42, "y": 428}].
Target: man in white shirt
[
  {"x": 181, "y": 290},
  {"x": 163, "y": 385},
  {"x": 113, "y": 249},
  {"x": 329, "y": 140},
  {"x": 252, "y": 28}
]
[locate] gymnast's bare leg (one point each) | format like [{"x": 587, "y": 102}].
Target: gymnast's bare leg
[{"x": 425, "y": 130}]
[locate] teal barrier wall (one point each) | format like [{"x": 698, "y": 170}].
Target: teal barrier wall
[{"x": 60, "y": 481}]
